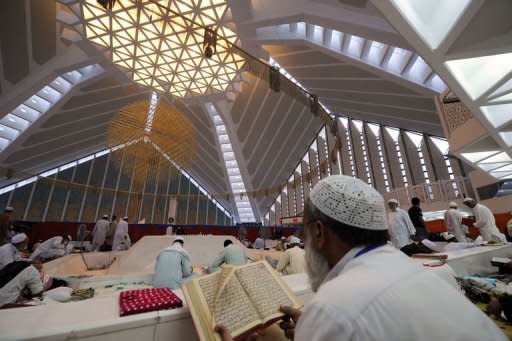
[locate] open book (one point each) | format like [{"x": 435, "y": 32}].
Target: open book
[{"x": 241, "y": 298}]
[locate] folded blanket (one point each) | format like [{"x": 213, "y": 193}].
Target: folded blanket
[{"x": 145, "y": 300}]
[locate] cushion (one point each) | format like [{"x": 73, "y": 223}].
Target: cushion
[{"x": 145, "y": 300}]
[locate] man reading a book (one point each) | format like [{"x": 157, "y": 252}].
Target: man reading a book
[
  {"x": 365, "y": 288},
  {"x": 173, "y": 267}
]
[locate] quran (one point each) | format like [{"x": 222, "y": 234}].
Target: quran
[{"x": 242, "y": 298}]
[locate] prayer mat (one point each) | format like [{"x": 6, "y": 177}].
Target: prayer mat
[{"x": 145, "y": 300}]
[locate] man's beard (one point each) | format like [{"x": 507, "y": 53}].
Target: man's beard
[{"x": 316, "y": 266}]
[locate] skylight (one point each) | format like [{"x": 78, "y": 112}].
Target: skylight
[
  {"x": 23, "y": 116},
  {"x": 243, "y": 205}
]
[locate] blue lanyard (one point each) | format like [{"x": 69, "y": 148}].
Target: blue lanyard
[{"x": 367, "y": 249}]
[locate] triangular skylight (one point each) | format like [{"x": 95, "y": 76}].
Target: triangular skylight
[
  {"x": 375, "y": 129},
  {"x": 477, "y": 75},
  {"x": 498, "y": 114},
  {"x": 394, "y": 133},
  {"x": 441, "y": 144},
  {"x": 415, "y": 138},
  {"x": 424, "y": 15}
]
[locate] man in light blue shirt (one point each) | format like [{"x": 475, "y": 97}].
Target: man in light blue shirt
[
  {"x": 232, "y": 254},
  {"x": 173, "y": 267}
]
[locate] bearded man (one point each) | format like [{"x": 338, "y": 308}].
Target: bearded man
[{"x": 365, "y": 288}]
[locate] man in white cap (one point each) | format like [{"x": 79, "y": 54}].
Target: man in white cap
[
  {"x": 11, "y": 252},
  {"x": 365, "y": 288},
  {"x": 485, "y": 222},
  {"x": 99, "y": 233},
  {"x": 52, "y": 248},
  {"x": 121, "y": 239},
  {"x": 173, "y": 267},
  {"x": 401, "y": 229},
  {"x": 453, "y": 223},
  {"x": 293, "y": 260}
]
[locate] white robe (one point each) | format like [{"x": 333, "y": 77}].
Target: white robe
[
  {"x": 8, "y": 254},
  {"x": 453, "y": 223},
  {"x": 121, "y": 239},
  {"x": 486, "y": 224},
  {"x": 28, "y": 278},
  {"x": 172, "y": 268},
  {"x": 99, "y": 234},
  {"x": 51, "y": 248},
  {"x": 400, "y": 228},
  {"x": 384, "y": 295}
]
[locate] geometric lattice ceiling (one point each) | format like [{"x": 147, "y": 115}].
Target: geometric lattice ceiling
[{"x": 163, "y": 50}]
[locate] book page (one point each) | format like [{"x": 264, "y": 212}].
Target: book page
[
  {"x": 234, "y": 309},
  {"x": 209, "y": 286},
  {"x": 264, "y": 289}
]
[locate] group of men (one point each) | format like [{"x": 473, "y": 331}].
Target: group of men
[
  {"x": 366, "y": 289},
  {"x": 405, "y": 227},
  {"x": 20, "y": 273},
  {"x": 114, "y": 233}
]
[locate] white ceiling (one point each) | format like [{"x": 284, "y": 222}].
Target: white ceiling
[{"x": 269, "y": 131}]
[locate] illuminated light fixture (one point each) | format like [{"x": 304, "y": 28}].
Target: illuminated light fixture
[{"x": 161, "y": 44}]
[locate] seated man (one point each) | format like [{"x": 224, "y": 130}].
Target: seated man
[
  {"x": 292, "y": 261},
  {"x": 281, "y": 244},
  {"x": 259, "y": 243},
  {"x": 173, "y": 268},
  {"x": 11, "y": 252},
  {"x": 29, "y": 278},
  {"x": 366, "y": 289},
  {"x": 52, "y": 248},
  {"x": 232, "y": 254}
]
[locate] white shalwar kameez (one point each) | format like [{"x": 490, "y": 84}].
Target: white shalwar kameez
[
  {"x": 384, "y": 295},
  {"x": 453, "y": 223},
  {"x": 99, "y": 234},
  {"x": 8, "y": 254},
  {"x": 486, "y": 224},
  {"x": 51, "y": 248},
  {"x": 121, "y": 237},
  {"x": 400, "y": 228}
]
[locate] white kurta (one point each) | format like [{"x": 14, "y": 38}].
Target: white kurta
[
  {"x": 453, "y": 223},
  {"x": 400, "y": 228},
  {"x": 99, "y": 234},
  {"x": 383, "y": 295},
  {"x": 486, "y": 224},
  {"x": 8, "y": 254},
  {"x": 29, "y": 278},
  {"x": 51, "y": 248},
  {"x": 292, "y": 261},
  {"x": 121, "y": 237}
]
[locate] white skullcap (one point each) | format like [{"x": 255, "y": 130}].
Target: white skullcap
[
  {"x": 294, "y": 240},
  {"x": 468, "y": 199},
  {"x": 179, "y": 239},
  {"x": 453, "y": 204},
  {"x": 9, "y": 209},
  {"x": 105, "y": 216},
  {"x": 350, "y": 201},
  {"x": 393, "y": 201},
  {"x": 18, "y": 238},
  {"x": 125, "y": 217}
]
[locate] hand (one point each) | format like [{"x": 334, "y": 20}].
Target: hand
[
  {"x": 225, "y": 335},
  {"x": 290, "y": 320}
]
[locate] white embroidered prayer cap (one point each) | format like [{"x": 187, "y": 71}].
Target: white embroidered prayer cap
[
  {"x": 453, "y": 204},
  {"x": 9, "y": 209},
  {"x": 18, "y": 238},
  {"x": 105, "y": 216},
  {"x": 468, "y": 199},
  {"x": 393, "y": 201},
  {"x": 125, "y": 218},
  {"x": 350, "y": 201},
  {"x": 294, "y": 240},
  {"x": 179, "y": 239}
]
